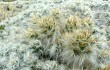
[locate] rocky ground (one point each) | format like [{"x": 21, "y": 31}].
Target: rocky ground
[{"x": 17, "y": 52}]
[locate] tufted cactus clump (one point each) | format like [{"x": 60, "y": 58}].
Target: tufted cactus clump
[
  {"x": 54, "y": 35},
  {"x": 7, "y": 10},
  {"x": 73, "y": 36}
]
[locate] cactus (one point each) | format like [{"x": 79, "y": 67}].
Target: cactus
[
  {"x": 74, "y": 35},
  {"x": 2, "y": 27},
  {"x": 7, "y": 10}
]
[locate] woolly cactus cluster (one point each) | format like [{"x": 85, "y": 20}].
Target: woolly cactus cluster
[
  {"x": 72, "y": 38},
  {"x": 54, "y": 35},
  {"x": 79, "y": 34},
  {"x": 7, "y": 10}
]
